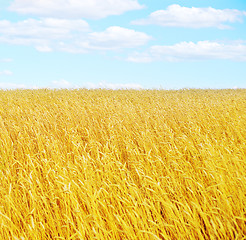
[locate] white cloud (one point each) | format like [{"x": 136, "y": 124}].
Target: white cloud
[
  {"x": 92, "y": 9},
  {"x": 62, "y": 84},
  {"x": 6, "y": 60},
  {"x": 6, "y": 72},
  {"x": 44, "y": 34},
  {"x": 203, "y": 50},
  {"x": 44, "y": 48},
  {"x": 7, "y": 85},
  {"x": 54, "y": 28},
  {"x": 113, "y": 86},
  {"x": 68, "y": 85},
  {"x": 116, "y": 38},
  {"x": 48, "y": 34},
  {"x": 177, "y": 16}
]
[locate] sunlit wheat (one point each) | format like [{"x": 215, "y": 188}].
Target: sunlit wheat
[{"x": 125, "y": 164}]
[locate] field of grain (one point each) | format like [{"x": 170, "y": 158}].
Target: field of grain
[{"x": 125, "y": 164}]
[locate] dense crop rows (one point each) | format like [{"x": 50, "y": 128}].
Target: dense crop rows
[{"x": 102, "y": 164}]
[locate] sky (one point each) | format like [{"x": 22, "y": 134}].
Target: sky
[{"x": 115, "y": 44}]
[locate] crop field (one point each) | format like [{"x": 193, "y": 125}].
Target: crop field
[{"x": 123, "y": 164}]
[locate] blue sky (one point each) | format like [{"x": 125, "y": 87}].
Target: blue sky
[{"x": 122, "y": 44}]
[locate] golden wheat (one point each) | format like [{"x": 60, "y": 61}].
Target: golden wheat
[{"x": 125, "y": 164}]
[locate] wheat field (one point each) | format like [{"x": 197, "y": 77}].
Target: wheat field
[{"x": 124, "y": 164}]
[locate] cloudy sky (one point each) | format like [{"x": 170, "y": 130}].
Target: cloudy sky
[{"x": 123, "y": 44}]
